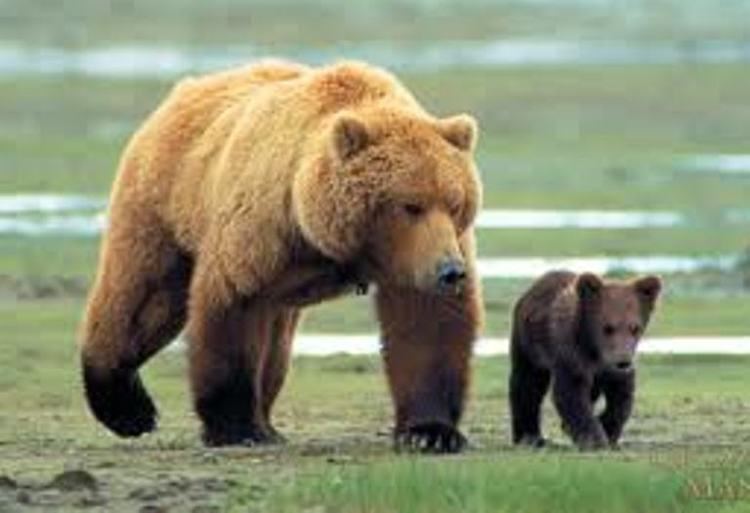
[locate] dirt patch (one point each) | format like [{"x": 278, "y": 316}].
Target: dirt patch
[{"x": 75, "y": 490}]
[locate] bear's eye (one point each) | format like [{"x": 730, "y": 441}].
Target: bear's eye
[
  {"x": 635, "y": 330},
  {"x": 609, "y": 330},
  {"x": 413, "y": 210}
]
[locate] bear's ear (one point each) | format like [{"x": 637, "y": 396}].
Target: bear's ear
[
  {"x": 589, "y": 285},
  {"x": 350, "y": 136},
  {"x": 460, "y": 131},
  {"x": 648, "y": 288}
]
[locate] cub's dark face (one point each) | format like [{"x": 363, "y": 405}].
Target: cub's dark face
[{"x": 616, "y": 314}]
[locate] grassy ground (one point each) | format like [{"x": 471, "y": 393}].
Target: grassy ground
[{"x": 687, "y": 447}]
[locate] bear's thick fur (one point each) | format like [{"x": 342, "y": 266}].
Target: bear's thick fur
[
  {"x": 579, "y": 332},
  {"x": 251, "y": 193}
]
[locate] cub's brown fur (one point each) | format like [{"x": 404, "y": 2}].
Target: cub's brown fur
[
  {"x": 251, "y": 193},
  {"x": 578, "y": 333}
]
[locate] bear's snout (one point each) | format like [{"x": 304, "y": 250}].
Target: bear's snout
[
  {"x": 451, "y": 276},
  {"x": 624, "y": 365}
]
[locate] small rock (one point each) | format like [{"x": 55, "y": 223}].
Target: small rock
[
  {"x": 205, "y": 508},
  {"x": 146, "y": 494},
  {"x": 23, "y": 497},
  {"x": 153, "y": 508},
  {"x": 48, "y": 497},
  {"x": 90, "y": 500},
  {"x": 7, "y": 483},
  {"x": 215, "y": 485},
  {"x": 73, "y": 480}
]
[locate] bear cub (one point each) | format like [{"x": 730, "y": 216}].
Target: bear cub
[{"x": 579, "y": 334}]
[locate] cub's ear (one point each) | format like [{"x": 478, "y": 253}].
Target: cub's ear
[
  {"x": 589, "y": 285},
  {"x": 350, "y": 136},
  {"x": 648, "y": 288},
  {"x": 460, "y": 131}
]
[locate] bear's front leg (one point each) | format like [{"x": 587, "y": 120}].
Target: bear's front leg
[
  {"x": 619, "y": 390},
  {"x": 427, "y": 345},
  {"x": 572, "y": 397}
]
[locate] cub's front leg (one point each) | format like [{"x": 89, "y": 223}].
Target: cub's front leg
[
  {"x": 572, "y": 397},
  {"x": 619, "y": 390}
]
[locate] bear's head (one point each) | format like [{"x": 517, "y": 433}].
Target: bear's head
[
  {"x": 393, "y": 191},
  {"x": 614, "y": 315}
]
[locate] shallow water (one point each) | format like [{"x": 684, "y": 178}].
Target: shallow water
[
  {"x": 530, "y": 267},
  {"x": 73, "y": 225},
  {"x": 324, "y": 345},
  {"x": 719, "y": 163},
  {"x": 27, "y": 203},
  {"x": 140, "y": 60},
  {"x": 40, "y": 215},
  {"x": 523, "y": 219},
  {"x": 26, "y": 220}
]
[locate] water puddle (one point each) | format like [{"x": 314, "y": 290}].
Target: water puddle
[
  {"x": 74, "y": 225},
  {"x": 605, "y": 219},
  {"x": 23, "y": 218},
  {"x": 326, "y": 345},
  {"x": 146, "y": 61},
  {"x": 29, "y": 203},
  {"x": 732, "y": 164},
  {"x": 530, "y": 267}
]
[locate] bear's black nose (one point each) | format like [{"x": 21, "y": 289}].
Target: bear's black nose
[{"x": 451, "y": 275}]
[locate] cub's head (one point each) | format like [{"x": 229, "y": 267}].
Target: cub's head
[
  {"x": 615, "y": 314},
  {"x": 396, "y": 192}
]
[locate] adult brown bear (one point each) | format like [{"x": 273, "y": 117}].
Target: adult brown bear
[{"x": 253, "y": 192}]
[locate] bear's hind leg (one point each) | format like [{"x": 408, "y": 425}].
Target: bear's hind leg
[
  {"x": 277, "y": 355},
  {"x": 137, "y": 306},
  {"x": 224, "y": 372},
  {"x": 527, "y": 388}
]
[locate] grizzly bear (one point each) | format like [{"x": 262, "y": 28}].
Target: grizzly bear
[
  {"x": 251, "y": 193},
  {"x": 580, "y": 333}
]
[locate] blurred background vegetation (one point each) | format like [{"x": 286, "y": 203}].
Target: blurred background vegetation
[{"x": 583, "y": 104}]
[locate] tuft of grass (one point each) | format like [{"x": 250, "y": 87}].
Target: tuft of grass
[{"x": 509, "y": 483}]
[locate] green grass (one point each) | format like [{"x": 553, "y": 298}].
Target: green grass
[
  {"x": 700, "y": 240},
  {"x": 506, "y": 484},
  {"x": 45, "y": 257},
  {"x": 691, "y": 426}
]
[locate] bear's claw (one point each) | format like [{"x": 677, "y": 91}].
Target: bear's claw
[{"x": 431, "y": 437}]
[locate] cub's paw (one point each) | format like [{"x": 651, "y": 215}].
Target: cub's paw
[
  {"x": 431, "y": 437},
  {"x": 591, "y": 443},
  {"x": 532, "y": 441}
]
